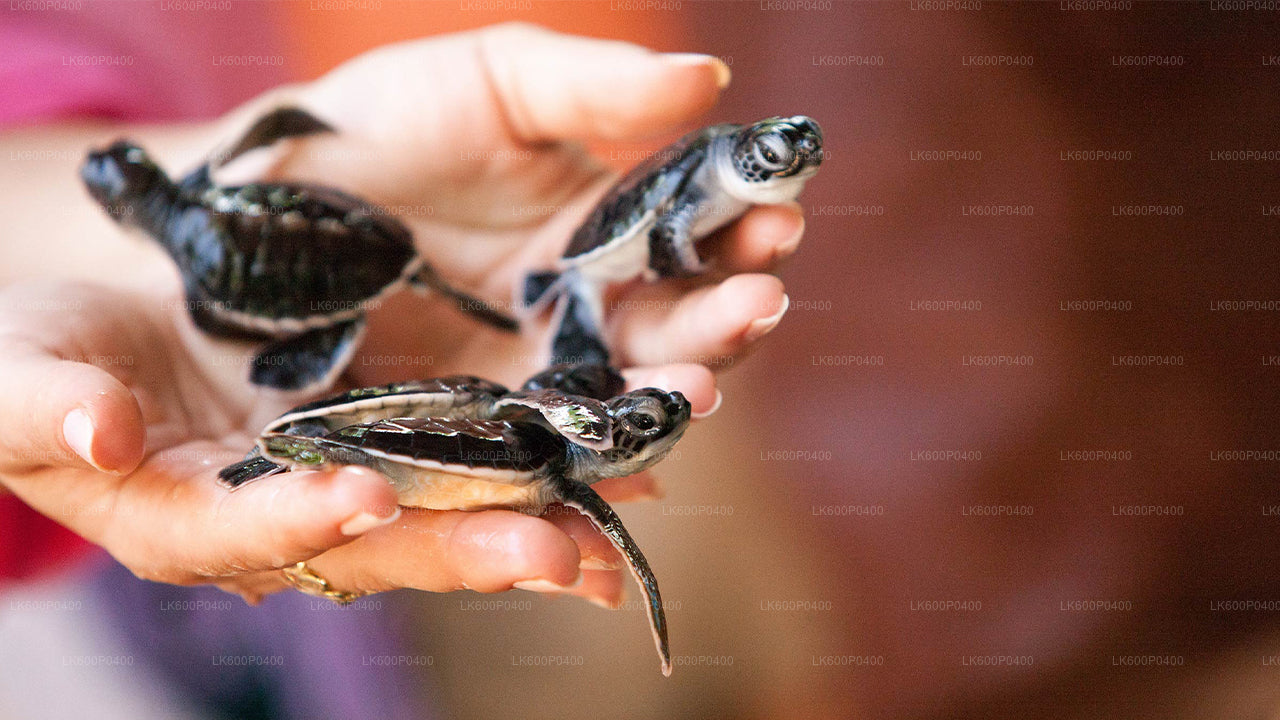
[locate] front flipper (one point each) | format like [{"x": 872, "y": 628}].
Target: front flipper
[
  {"x": 581, "y": 420},
  {"x": 427, "y": 277},
  {"x": 577, "y": 495},
  {"x": 671, "y": 251},
  {"x": 311, "y": 359},
  {"x": 251, "y": 468},
  {"x": 281, "y": 123}
]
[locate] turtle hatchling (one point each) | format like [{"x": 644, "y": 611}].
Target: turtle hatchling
[
  {"x": 565, "y": 398},
  {"x": 289, "y": 263},
  {"x": 648, "y": 223},
  {"x": 469, "y": 464}
]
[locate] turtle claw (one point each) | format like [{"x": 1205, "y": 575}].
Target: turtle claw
[{"x": 582, "y": 498}]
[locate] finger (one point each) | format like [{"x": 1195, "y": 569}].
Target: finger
[
  {"x": 59, "y": 413},
  {"x": 595, "y": 550},
  {"x": 633, "y": 488},
  {"x": 559, "y": 87},
  {"x": 696, "y": 382},
  {"x": 604, "y": 588},
  {"x": 441, "y": 551},
  {"x": 708, "y": 325},
  {"x": 759, "y": 240},
  {"x": 168, "y": 525}
]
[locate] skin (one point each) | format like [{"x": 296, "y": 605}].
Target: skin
[{"x": 104, "y": 333}]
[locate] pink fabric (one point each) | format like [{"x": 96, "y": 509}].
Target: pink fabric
[{"x": 143, "y": 60}]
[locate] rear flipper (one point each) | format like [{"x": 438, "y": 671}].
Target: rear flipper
[
  {"x": 581, "y": 497},
  {"x": 537, "y": 289},
  {"x": 281, "y": 123},
  {"x": 469, "y": 304},
  {"x": 251, "y": 468},
  {"x": 579, "y": 338},
  {"x": 311, "y": 359}
]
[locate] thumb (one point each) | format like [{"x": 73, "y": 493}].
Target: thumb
[{"x": 59, "y": 413}]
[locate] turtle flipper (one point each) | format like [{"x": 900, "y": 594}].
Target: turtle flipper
[
  {"x": 281, "y": 123},
  {"x": 251, "y": 468},
  {"x": 580, "y": 496},
  {"x": 671, "y": 244},
  {"x": 582, "y": 420},
  {"x": 307, "y": 360},
  {"x": 578, "y": 338},
  {"x": 428, "y": 278}
]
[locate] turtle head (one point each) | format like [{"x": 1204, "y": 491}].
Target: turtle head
[
  {"x": 121, "y": 176},
  {"x": 647, "y": 423},
  {"x": 778, "y": 148},
  {"x": 592, "y": 380}
]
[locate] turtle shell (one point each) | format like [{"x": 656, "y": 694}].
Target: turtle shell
[
  {"x": 439, "y": 463},
  {"x": 646, "y": 189},
  {"x": 239, "y": 246},
  {"x": 435, "y": 397}
]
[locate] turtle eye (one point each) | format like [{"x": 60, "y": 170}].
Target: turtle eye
[
  {"x": 773, "y": 152},
  {"x": 642, "y": 423}
]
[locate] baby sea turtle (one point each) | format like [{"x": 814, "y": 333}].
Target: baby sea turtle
[
  {"x": 565, "y": 398},
  {"x": 648, "y": 223},
  {"x": 290, "y": 263},
  {"x": 469, "y": 464}
]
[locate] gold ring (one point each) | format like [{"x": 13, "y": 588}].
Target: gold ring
[{"x": 304, "y": 579}]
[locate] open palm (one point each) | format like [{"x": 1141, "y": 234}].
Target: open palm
[{"x": 473, "y": 139}]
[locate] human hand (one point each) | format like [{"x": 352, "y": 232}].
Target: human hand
[{"x": 511, "y": 117}]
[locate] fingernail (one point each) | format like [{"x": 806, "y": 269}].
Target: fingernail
[
  {"x": 723, "y": 73},
  {"x": 546, "y": 586},
  {"x": 595, "y": 563},
  {"x": 77, "y": 431},
  {"x": 788, "y": 247},
  {"x": 719, "y": 395},
  {"x": 760, "y": 326},
  {"x": 363, "y": 521}
]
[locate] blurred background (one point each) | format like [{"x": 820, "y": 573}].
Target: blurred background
[{"x": 1012, "y": 453}]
